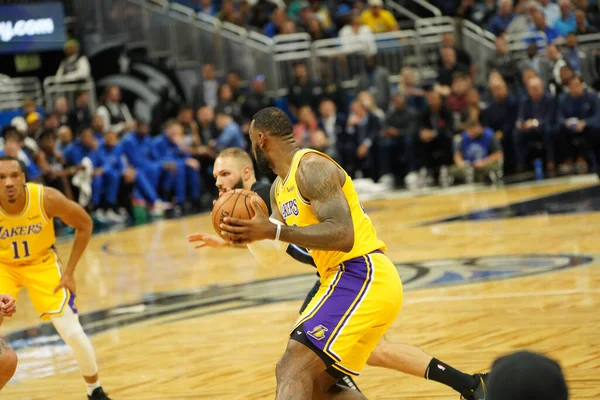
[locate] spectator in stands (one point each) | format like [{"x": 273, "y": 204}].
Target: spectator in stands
[
  {"x": 206, "y": 124},
  {"x": 289, "y": 27},
  {"x": 206, "y": 7},
  {"x": 227, "y": 104},
  {"x": 233, "y": 80},
  {"x": 473, "y": 110},
  {"x": 361, "y": 152},
  {"x": 462, "y": 57},
  {"x": 321, "y": 13},
  {"x": 13, "y": 146},
  {"x": 566, "y": 73},
  {"x": 457, "y": 100},
  {"x": 29, "y": 106},
  {"x": 500, "y": 115},
  {"x": 572, "y": 54},
  {"x": 52, "y": 164},
  {"x": 304, "y": 91},
  {"x": 165, "y": 109},
  {"x": 540, "y": 26},
  {"x": 379, "y": 19},
  {"x": 477, "y": 154},
  {"x": 333, "y": 125},
  {"x": 557, "y": 61},
  {"x": 358, "y": 37},
  {"x": 446, "y": 72},
  {"x": 74, "y": 66},
  {"x": 116, "y": 114},
  {"x": 65, "y": 137},
  {"x": 275, "y": 26},
  {"x": 61, "y": 108},
  {"x": 97, "y": 126},
  {"x": 227, "y": 12},
  {"x": 181, "y": 170},
  {"x": 582, "y": 27},
  {"x": 376, "y": 80},
  {"x": 535, "y": 124},
  {"x": 185, "y": 117},
  {"x": 205, "y": 91},
  {"x": 307, "y": 131},
  {"x": 52, "y": 122},
  {"x": 315, "y": 30},
  {"x": 579, "y": 121},
  {"x": 537, "y": 63},
  {"x": 306, "y": 14},
  {"x": 400, "y": 129},
  {"x": 230, "y": 134},
  {"x": 499, "y": 22},
  {"x": 414, "y": 93},
  {"x": 256, "y": 100},
  {"x": 503, "y": 62},
  {"x": 506, "y": 378},
  {"x": 523, "y": 21},
  {"x": 550, "y": 10},
  {"x": 105, "y": 186},
  {"x": 34, "y": 129},
  {"x": 566, "y": 22},
  {"x": 433, "y": 146},
  {"x": 80, "y": 116}
]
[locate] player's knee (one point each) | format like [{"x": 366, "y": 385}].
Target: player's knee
[{"x": 379, "y": 354}]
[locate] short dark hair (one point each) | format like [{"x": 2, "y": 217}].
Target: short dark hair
[
  {"x": 12, "y": 134},
  {"x": 8, "y": 129},
  {"x": 11, "y": 158},
  {"x": 47, "y": 133},
  {"x": 575, "y": 78},
  {"x": 273, "y": 121},
  {"x": 185, "y": 107}
]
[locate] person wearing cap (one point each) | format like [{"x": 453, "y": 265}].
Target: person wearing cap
[
  {"x": 525, "y": 375},
  {"x": 378, "y": 19},
  {"x": 74, "y": 66}
]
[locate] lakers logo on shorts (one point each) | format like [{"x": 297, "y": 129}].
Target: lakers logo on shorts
[{"x": 318, "y": 332}]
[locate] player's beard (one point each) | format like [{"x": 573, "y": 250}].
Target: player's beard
[
  {"x": 262, "y": 162},
  {"x": 239, "y": 184}
]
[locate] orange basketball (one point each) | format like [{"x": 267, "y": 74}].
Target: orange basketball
[{"x": 235, "y": 204}]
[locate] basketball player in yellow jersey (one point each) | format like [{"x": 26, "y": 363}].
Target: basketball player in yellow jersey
[
  {"x": 360, "y": 293},
  {"x": 28, "y": 258}
]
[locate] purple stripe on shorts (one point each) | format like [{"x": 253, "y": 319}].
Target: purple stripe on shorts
[{"x": 322, "y": 324}]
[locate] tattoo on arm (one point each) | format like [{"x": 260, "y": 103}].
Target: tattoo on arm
[
  {"x": 320, "y": 181},
  {"x": 3, "y": 346}
]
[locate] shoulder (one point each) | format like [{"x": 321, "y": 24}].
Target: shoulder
[
  {"x": 51, "y": 197},
  {"x": 313, "y": 170}
]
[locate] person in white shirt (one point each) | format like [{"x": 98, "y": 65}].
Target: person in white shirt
[
  {"x": 115, "y": 114},
  {"x": 356, "y": 36},
  {"x": 74, "y": 66},
  {"x": 551, "y": 10}
]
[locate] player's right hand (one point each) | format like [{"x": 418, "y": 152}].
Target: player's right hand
[
  {"x": 7, "y": 305},
  {"x": 206, "y": 240}
]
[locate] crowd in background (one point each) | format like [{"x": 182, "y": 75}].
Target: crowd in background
[{"x": 536, "y": 113}]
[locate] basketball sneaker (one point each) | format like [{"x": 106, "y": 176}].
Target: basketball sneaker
[
  {"x": 480, "y": 391},
  {"x": 98, "y": 394}
]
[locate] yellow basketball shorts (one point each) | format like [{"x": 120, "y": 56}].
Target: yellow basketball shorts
[
  {"x": 354, "y": 307},
  {"x": 40, "y": 278}
]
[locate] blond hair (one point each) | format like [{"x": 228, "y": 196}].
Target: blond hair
[{"x": 237, "y": 154}]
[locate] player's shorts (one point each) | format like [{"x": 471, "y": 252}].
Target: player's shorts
[
  {"x": 40, "y": 278},
  {"x": 352, "y": 310}
]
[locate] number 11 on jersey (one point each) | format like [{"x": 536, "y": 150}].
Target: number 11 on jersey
[{"x": 15, "y": 246}]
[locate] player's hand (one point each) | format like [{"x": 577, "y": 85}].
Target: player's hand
[
  {"x": 205, "y": 240},
  {"x": 67, "y": 281},
  {"x": 7, "y": 305},
  {"x": 244, "y": 231},
  {"x": 192, "y": 163}
]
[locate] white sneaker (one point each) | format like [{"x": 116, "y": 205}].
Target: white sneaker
[
  {"x": 444, "y": 177},
  {"x": 158, "y": 208},
  {"x": 112, "y": 216},
  {"x": 100, "y": 215}
]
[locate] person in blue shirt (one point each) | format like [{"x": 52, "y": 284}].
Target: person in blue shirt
[
  {"x": 113, "y": 156},
  {"x": 275, "y": 26},
  {"x": 13, "y": 144},
  {"x": 579, "y": 121},
  {"x": 535, "y": 122},
  {"x": 500, "y": 21},
  {"x": 137, "y": 148},
  {"x": 539, "y": 25},
  {"x": 231, "y": 135},
  {"x": 105, "y": 184},
  {"x": 181, "y": 171},
  {"x": 566, "y": 23},
  {"x": 477, "y": 154}
]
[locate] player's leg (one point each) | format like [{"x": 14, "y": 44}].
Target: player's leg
[
  {"x": 111, "y": 182},
  {"x": 180, "y": 183},
  {"x": 193, "y": 182},
  {"x": 8, "y": 362},
  {"x": 60, "y": 309},
  {"x": 144, "y": 187}
]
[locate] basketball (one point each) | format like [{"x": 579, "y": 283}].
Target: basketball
[{"x": 236, "y": 204}]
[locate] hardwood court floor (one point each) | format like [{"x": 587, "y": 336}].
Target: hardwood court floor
[{"x": 188, "y": 333}]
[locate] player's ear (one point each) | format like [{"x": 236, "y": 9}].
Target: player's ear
[{"x": 246, "y": 173}]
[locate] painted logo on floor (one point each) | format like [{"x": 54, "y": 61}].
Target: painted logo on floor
[{"x": 166, "y": 308}]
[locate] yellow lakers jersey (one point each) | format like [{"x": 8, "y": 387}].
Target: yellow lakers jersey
[
  {"x": 297, "y": 211},
  {"x": 26, "y": 238}
]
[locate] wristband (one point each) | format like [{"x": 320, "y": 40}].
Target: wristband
[{"x": 278, "y": 233}]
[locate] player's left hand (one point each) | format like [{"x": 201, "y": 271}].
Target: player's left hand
[
  {"x": 67, "y": 281},
  {"x": 244, "y": 231},
  {"x": 7, "y": 305}
]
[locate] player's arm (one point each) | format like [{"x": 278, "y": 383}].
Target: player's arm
[{"x": 72, "y": 214}]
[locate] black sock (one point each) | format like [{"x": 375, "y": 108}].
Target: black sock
[{"x": 446, "y": 375}]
